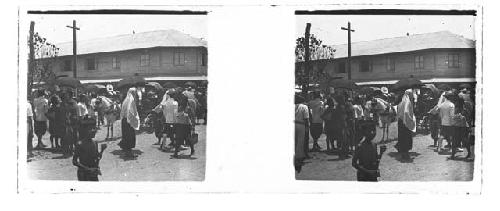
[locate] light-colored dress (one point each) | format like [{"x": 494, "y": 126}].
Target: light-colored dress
[{"x": 301, "y": 116}]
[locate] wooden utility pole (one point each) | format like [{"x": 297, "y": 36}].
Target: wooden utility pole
[
  {"x": 307, "y": 56},
  {"x": 74, "y": 46},
  {"x": 31, "y": 63},
  {"x": 349, "y": 30}
]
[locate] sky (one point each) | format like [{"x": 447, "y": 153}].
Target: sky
[
  {"x": 53, "y": 27},
  {"x": 372, "y": 27}
]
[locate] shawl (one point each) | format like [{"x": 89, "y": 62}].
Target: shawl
[
  {"x": 129, "y": 109},
  {"x": 405, "y": 111}
]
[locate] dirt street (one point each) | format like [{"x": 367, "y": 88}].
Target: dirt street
[
  {"x": 425, "y": 163},
  {"x": 151, "y": 164}
]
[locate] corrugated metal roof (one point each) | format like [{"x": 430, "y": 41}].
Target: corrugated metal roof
[
  {"x": 160, "y": 38},
  {"x": 442, "y": 39}
]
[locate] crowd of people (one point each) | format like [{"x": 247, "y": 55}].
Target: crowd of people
[
  {"x": 72, "y": 122},
  {"x": 346, "y": 118}
]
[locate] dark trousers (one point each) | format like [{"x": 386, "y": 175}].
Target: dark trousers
[
  {"x": 460, "y": 139},
  {"x": 182, "y": 136},
  {"x": 30, "y": 136},
  {"x": 306, "y": 141},
  {"x": 364, "y": 177},
  {"x": 84, "y": 175}
]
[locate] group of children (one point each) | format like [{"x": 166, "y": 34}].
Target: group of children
[
  {"x": 175, "y": 118},
  {"x": 452, "y": 119}
]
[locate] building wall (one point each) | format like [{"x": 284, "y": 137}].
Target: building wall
[
  {"x": 435, "y": 65},
  {"x": 161, "y": 63}
]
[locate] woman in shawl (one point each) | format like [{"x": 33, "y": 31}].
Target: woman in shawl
[
  {"x": 406, "y": 124},
  {"x": 130, "y": 121}
]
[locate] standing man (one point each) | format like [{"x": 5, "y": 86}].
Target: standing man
[
  {"x": 169, "y": 107},
  {"x": 316, "y": 107},
  {"x": 41, "y": 105},
  {"x": 446, "y": 110}
]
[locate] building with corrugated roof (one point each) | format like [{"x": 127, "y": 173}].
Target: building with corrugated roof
[
  {"x": 156, "y": 55},
  {"x": 439, "y": 57}
]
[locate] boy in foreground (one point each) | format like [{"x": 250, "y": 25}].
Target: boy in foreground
[
  {"x": 366, "y": 160},
  {"x": 86, "y": 156}
]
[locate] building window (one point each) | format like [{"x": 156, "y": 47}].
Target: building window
[
  {"x": 365, "y": 66},
  {"x": 453, "y": 60},
  {"x": 67, "y": 65},
  {"x": 390, "y": 64},
  {"x": 116, "y": 63},
  {"x": 179, "y": 59},
  {"x": 419, "y": 62},
  {"x": 91, "y": 64},
  {"x": 144, "y": 60},
  {"x": 203, "y": 59},
  {"x": 341, "y": 67}
]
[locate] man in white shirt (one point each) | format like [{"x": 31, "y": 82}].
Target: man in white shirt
[
  {"x": 446, "y": 111},
  {"x": 41, "y": 105},
  {"x": 169, "y": 108},
  {"x": 316, "y": 108}
]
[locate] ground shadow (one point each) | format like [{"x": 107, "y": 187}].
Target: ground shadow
[
  {"x": 444, "y": 152},
  {"x": 332, "y": 152},
  {"x": 167, "y": 150},
  {"x": 185, "y": 157},
  {"x": 463, "y": 159},
  {"x": 400, "y": 158},
  {"x": 340, "y": 158},
  {"x": 127, "y": 156}
]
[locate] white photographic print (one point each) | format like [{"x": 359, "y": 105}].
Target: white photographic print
[
  {"x": 386, "y": 95},
  {"x": 116, "y": 95},
  {"x": 135, "y": 110}
]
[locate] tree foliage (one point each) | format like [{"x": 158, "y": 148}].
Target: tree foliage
[
  {"x": 45, "y": 58},
  {"x": 320, "y": 54}
]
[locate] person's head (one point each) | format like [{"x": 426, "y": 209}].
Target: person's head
[
  {"x": 54, "y": 100},
  {"x": 133, "y": 91},
  {"x": 40, "y": 93},
  {"x": 357, "y": 100},
  {"x": 384, "y": 90},
  {"x": 82, "y": 98},
  {"x": 330, "y": 102},
  {"x": 316, "y": 95},
  {"x": 368, "y": 129},
  {"x": 448, "y": 96},
  {"x": 87, "y": 129},
  {"x": 339, "y": 99}
]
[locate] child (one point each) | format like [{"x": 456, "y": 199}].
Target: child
[
  {"x": 182, "y": 128},
  {"x": 86, "y": 156},
  {"x": 435, "y": 122},
  {"x": 366, "y": 160},
  {"x": 155, "y": 120}
]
